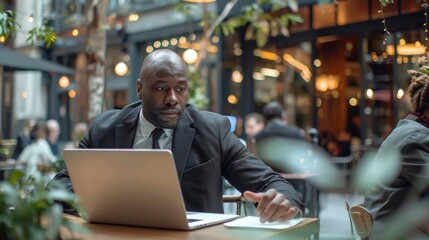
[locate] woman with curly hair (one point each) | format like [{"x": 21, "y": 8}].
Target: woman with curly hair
[{"x": 396, "y": 205}]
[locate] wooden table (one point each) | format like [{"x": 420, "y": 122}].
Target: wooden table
[{"x": 307, "y": 228}]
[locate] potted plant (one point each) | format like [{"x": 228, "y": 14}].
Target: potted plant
[{"x": 28, "y": 210}]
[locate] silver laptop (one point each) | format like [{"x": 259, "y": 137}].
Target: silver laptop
[{"x": 137, "y": 187}]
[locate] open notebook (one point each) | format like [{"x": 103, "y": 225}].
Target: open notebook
[{"x": 137, "y": 187}]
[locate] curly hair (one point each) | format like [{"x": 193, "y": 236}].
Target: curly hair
[{"x": 419, "y": 88}]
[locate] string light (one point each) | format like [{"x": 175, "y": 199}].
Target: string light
[
  {"x": 382, "y": 5},
  {"x": 425, "y": 24}
]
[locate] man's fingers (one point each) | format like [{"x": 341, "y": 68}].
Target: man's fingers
[
  {"x": 253, "y": 197},
  {"x": 271, "y": 208},
  {"x": 261, "y": 198},
  {"x": 283, "y": 215}
]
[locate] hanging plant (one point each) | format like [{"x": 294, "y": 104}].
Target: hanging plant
[
  {"x": 44, "y": 33},
  {"x": 9, "y": 26},
  {"x": 261, "y": 23}
]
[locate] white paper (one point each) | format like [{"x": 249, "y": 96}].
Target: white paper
[{"x": 253, "y": 222}]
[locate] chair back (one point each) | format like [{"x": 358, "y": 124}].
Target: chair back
[
  {"x": 239, "y": 200},
  {"x": 362, "y": 220}
]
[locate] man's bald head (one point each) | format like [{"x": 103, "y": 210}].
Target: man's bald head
[{"x": 163, "y": 62}]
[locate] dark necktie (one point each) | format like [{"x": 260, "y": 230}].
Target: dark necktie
[{"x": 156, "y": 133}]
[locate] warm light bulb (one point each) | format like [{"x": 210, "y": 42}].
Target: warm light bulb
[
  {"x": 75, "y": 32},
  {"x": 121, "y": 69},
  {"x": 232, "y": 99},
  {"x": 190, "y": 56},
  {"x": 369, "y": 93},
  {"x": 237, "y": 76},
  {"x": 400, "y": 93},
  {"x": 133, "y": 17},
  {"x": 64, "y": 82},
  {"x": 72, "y": 93}
]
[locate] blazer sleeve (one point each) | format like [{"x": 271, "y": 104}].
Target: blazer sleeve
[
  {"x": 415, "y": 162},
  {"x": 246, "y": 172}
]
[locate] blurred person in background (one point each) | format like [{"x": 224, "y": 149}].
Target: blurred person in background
[
  {"x": 37, "y": 157},
  {"x": 410, "y": 185},
  {"x": 23, "y": 138},
  {"x": 253, "y": 124},
  {"x": 53, "y": 133},
  {"x": 276, "y": 124},
  {"x": 79, "y": 131}
]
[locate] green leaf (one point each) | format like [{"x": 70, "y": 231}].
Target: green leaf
[
  {"x": 275, "y": 28},
  {"x": 285, "y": 31},
  {"x": 262, "y": 33},
  {"x": 294, "y": 18},
  {"x": 8, "y": 24},
  {"x": 249, "y": 35},
  {"x": 60, "y": 195},
  {"x": 15, "y": 176},
  {"x": 44, "y": 33},
  {"x": 293, "y": 5},
  {"x": 55, "y": 216},
  {"x": 384, "y": 3}
]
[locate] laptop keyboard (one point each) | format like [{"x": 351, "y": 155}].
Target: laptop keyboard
[{"x": 193, "y": 220}]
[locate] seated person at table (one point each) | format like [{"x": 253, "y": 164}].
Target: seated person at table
[
  {"x": 277, "y": 127},
  {"x": 410, "y": 185},
  {"x": 203, "y": 146},
  {"x": 276, "y": 124},
  {"x": 37, "y": 156}
]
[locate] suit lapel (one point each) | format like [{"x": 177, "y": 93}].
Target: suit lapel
[
  {"x": 126, "y": 130},
  {"x": 182, "y": 141}
]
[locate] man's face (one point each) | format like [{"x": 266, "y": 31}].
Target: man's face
[
  {"x": 164, "y": 97},
  {"x": 252, "y": 127}
]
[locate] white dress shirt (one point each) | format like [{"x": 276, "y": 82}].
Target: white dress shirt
[{"x": 143, "y": 137}]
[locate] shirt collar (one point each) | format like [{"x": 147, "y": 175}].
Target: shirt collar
[{"x": 147, "y": 127}]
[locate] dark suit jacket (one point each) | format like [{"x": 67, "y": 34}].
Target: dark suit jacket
[
  {"x": 204, "y": 150},
  {"x": 276, "y": 128},
  {"x": 22, "y": 141}
]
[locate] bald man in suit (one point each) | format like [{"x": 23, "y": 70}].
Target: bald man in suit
[{"x": 203, "y": 146}]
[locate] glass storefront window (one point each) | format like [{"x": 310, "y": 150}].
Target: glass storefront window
[
  {"x": 387, "y": 79},
  {"x": 337, "y": 91},
  {"x": 378, "y": 90},
  {"x": 284, "y": 75},
  {"x": 413, "y": 41},
  {"x": 234, "y": 78}
]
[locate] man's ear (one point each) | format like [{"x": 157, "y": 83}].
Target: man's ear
[{"x": 139, "y": 89}]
